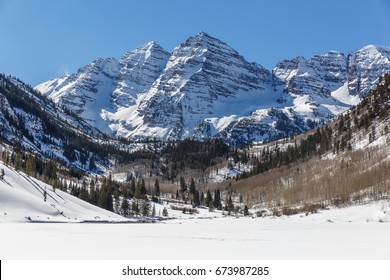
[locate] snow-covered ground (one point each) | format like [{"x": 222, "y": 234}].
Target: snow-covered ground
[
  {"x": 221, "y": 238},
  {"x": 22, "y": 200},
  {"x": 225, "y": 173},
  {"x": 357, "y": 232}
]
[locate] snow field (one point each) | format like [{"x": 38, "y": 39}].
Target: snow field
[{"x": 223, "y": 238}]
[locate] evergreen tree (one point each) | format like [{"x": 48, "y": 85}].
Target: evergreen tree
[
  {"x": 93, "y": 196},
  {"x": 137, "y": 193},
  {"x": 2, "y": 174},
  {"x": 208, "y": 199},
  {"x": 125, "y": 207},
  {"x": 135, "y": 208},
  {"x": 4, "y": 156},
  {"x": 92, "y": 165},
  {"x": 217, "y": 199},
  {"x": 183, "y": 187},
  {"x": 196, "y": 199},
  {"x": 157, "y": 188},
  {"x": 83, "y": 191},
  {"x": 132, "y": 188},
  {"x": 105, "y": 195},
  {"x": 246, "y": 211},
  {"x": 145, "y": 208},
  {"x": 192, "y": 187},
  {"x": 44, "y": 195},
  {"x": 125, "y": 190},
  {"x": 18, "y": 161},
  {"x": 140, "y": 190},
  {"x": 165, "y": 212},
  {"x": 230, "y": 205},
  {"x": 143, "y": 188},
  {"x": 117, "y": 202},
  {"x": 65, "y": 186},
  {"x": 73, "y": 189},
  {"x": 31, "y": 165}
]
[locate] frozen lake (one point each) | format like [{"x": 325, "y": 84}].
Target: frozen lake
[{"x": 221, "y": 238}]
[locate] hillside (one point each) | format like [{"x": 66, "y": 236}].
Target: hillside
[
  {"x": 29, "y": 122},
  {"x": 22, "y": 199},
  {"x": 344, "y": 162}
]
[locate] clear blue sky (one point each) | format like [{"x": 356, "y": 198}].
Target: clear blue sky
[{"x": 42, "y": 39}]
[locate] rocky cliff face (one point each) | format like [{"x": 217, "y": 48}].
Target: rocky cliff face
[
  {"x": 204, "y": 78},
  {"x": 204, "y": 89},
  {"x": 317, "y": 76},
  {"x": 365, "y": 67},
  {"x": 107, "y": 85},
  {"x": 139, "y": 69}
]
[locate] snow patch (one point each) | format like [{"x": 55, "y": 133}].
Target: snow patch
[{"x": 342, "y": 94}]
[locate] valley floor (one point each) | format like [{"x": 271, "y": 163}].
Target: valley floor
[{"x": 313, "y": 237}]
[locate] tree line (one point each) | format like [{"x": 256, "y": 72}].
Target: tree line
[{"x": 333, "y": 137}]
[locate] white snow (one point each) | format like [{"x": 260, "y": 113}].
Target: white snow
[
  {"x": 351, "y": 233},
  {"x": 341, "y": 94},
  {"x": 302, "y": 104},
  {"x": 21, "y": 199},
  {"x": 357, "y": 232},
  {"x": 228, "y": 172}
]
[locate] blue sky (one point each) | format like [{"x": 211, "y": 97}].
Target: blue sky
[{"x": 43, "y": 39}]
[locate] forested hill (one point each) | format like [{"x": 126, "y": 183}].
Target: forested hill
[
  {"x": 344, "y": 161},
  {"x": 33, "y": 123}
]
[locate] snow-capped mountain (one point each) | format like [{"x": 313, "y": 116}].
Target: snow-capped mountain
[
  {"x": 201, "y": 80},
  {"x": 365, "y": 67},
  {"x": 107, "y": 85},
  {"x": 205, "y": 89}
]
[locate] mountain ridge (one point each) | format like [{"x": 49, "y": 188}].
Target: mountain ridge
[{"x": 206, "y": 89}]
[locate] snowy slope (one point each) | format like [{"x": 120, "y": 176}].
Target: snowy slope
[{"x": 21, "y": 200}]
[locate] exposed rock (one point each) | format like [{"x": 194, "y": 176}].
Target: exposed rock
[{"x": 206, "y": 89}]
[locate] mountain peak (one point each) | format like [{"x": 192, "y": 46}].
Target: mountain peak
[
  {"x": 202, "y": 39},
  {"x": 205, "y": 37},
  {"x": 151, "y": 45},
  {"x": 374, "y": 49},
  {"x": 144, "y": 51},
  {"x": 203, "y": 34},
  {"x": 334, "y": 53}
]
